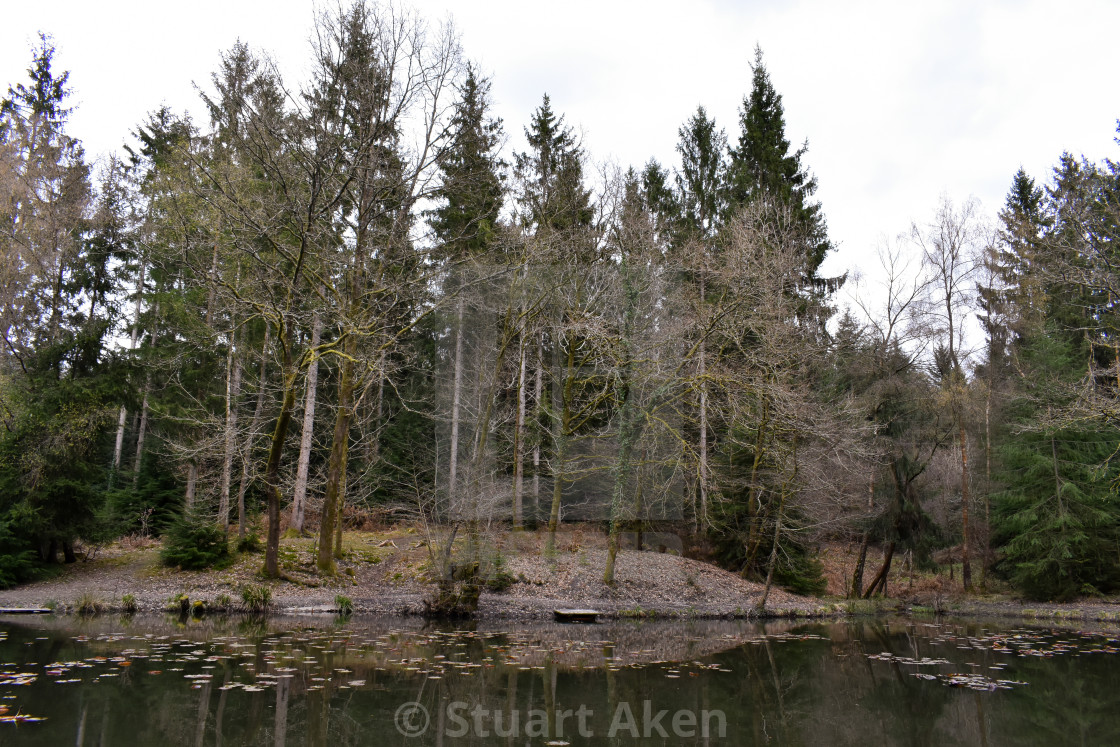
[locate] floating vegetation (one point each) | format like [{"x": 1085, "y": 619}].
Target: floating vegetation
[{"x": 1019, "y": 643}]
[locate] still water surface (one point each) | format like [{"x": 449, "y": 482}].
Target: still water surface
[{"x": 297, "y": 681}]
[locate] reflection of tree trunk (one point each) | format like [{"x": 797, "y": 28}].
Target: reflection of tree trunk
[
  {"x": 981, "y": 721},
  {"x": 548, "y": 676},
  {"x": 280, "y": 729},
  {"x": 856, "y": 590},
  {"x": 317, "y": 717},
  {"x": 82, "y": 725},
  {"x": 299, "y": 491},
  {"x": 880, "y": 580},
  {"x": 776, "y": 680},
  {"x": 203, "y": 712},
  {"x": 224, "y": 690},
  {"x": 511, "y": 707}
]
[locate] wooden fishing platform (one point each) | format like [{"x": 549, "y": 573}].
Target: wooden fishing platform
[
  {"x": 576, "y": 616},
  {"x": 25, "y": 611}
]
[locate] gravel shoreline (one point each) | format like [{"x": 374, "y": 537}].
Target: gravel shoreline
[
  {"x": 648, "y": 584},
  {"x": 381, "y": 576}
]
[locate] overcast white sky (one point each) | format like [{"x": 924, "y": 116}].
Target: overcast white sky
[{"x": 900, "y": 102}]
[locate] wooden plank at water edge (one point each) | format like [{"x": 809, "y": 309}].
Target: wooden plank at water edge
[
  {"x": 25, "y": 611},
  {"x": 576, "y": 616}
]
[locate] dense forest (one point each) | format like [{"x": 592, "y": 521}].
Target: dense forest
[{"x": 344, "y": 300}]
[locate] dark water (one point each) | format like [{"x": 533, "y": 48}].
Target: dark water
[{"x": 292, "y": 681}]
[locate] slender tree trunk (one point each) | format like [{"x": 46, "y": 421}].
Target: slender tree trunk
[
  {"x": 703, "y": 476},
  {"x": 142, "y": 429},
  {"x": 299, "y": 491},
  {"x": 773, "y": 560},
  {"x": 754, "y": 509},
  {"x": 456, "y": 389},
  {"x": 856, "y": 590},
  {"x": 251, "y": 436},
  {"x": 987, "y": 487},
  {"x": 966, "y": 567},
  {"x": 538, "y": 392},
  {"x": 564, "y": 393},
  {"x": 519, "y": 441},
  {"x": 192, "y": 480},
  {"x": 118, "y": 447},
  {"x": 338, "y": 517},
  {"x": 272, "y": 471},
  {"x": 233, "y": 394},
  {"x": 336, "y": 468},
  {"x": 880, "y": 581},
  {"x": 627, "y": 437}
]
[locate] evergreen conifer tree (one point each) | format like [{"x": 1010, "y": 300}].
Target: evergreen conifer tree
[{"x": 762, "y": 164}]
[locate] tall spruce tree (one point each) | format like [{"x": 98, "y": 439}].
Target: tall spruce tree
[
  {"x": 551, "y": 175},
  {"x": 465, "y": 225},
  {"x": 762, "y": 164}
]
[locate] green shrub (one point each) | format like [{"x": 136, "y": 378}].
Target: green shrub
[
  {"x": 250, "y": 543},
  {"x": 17, "y": 560},
  {"x": 194, "y": 544}
]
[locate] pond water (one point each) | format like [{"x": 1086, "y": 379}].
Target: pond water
[{"x": 296, "y": 681}]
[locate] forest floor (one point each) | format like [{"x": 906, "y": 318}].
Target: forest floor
[{"x": 386, "y": 572}]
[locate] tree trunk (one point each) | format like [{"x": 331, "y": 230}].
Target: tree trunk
[
  {"x": 299, "y": 491},
  {"x": 143, "y": 427},
  {"x": 880, "y": 581},
  {"x": 703, "y": 476},
  {"x": 518, "y": 442},
  {"x": 856, "y": 590},
  {"x": 987, "y": 487},
  {"x": 754, "y": 510},
  {"x": 773, "y": 560},
  {"x": 118, "y": 447},
  {"x": 456, "y": 389},
  {"x": 966, "y": 567},
  {"x": 192, "y": 480},
  {"x": 250, "y": 437},
  {"x": 538, "y": 392},
  {"x": 272, "y": 471},
  {"x": 564, "y": 393},
  {"x": 233, "y": 394},
  {"x": 336, "y": 468}
]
